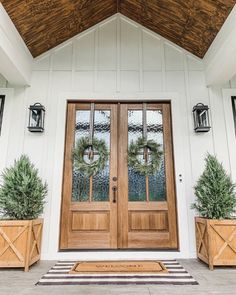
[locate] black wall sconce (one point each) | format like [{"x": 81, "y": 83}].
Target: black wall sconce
[
  {"x": 201, "y": 118},
  {"x": 36, "y": 118}
]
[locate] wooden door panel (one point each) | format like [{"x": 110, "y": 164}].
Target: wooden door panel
[
  {"x": 149, "y": 240},
  {"x": 148, "y": 221},
  {"x": 90, "y": 221},
  {"x": 147, "y": 213},
  {"x": 89, "y": 218},
  {"x": 89, "y": 240}
]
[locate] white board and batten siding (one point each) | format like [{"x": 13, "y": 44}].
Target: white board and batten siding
[{"x": 117, "y": 59}]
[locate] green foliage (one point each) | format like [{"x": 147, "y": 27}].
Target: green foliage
[
  {"x": 90, "y": 169},
  {"x": 22, "y": 192},
  {"x": 148, "y": 168},
  {"x": 215, "y": 191}
]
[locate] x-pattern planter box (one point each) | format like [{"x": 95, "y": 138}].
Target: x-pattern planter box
[
  {"x": 20, "y": 242},
  {"x": 216, "y": 241}
]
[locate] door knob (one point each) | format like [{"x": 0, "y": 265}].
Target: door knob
[{"x": 114, "y": 190}]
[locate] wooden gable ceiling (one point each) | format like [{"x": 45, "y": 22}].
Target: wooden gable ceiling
[{"x": 191, "y": 24}]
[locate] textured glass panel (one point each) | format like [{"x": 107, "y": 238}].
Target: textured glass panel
[
  {"x": 80, "y": 182},
  {"x": 137, "y": 181},
  {"x": 155, "y": 132},
  {"x": 101, "y": 180},
  {"x": 80, "y": 187},
  {"x": 82, "y": 124},
  {"x": 137, "y": 189},
  {"x": 157, "y": 188},
  {"x": 135, "y": 125}
]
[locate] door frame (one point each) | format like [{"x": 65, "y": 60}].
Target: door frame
[
  {"x": 122, "y": 236},
  {"x": 182, "y": 202}
]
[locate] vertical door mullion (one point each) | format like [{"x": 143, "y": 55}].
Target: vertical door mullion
[
  {"x": 67, "y": 178},
  {"x": 123, "y": 177},
  {"x": 90, "y": 189},
  {"x": 113, "y": 175}
]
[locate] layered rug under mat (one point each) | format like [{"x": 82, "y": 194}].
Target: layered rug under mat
[{"x": 161, "y": 272}]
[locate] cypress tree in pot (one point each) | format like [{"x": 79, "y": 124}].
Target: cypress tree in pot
[
  {"x": 216, "y": 204},
  {"x": 22, "y": 195}
]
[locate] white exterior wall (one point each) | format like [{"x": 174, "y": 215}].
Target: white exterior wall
[{"x": 117, "y": 59}]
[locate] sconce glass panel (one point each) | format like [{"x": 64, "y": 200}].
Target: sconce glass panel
[
  {"x": 201, "y": 118},
  {"x": 234, "y": 111},
  {"x": 36, "y": 118},
  {"x": 2, "y": 99}
]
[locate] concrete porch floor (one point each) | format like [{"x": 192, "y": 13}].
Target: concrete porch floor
[{"x": 220, "y": 281}]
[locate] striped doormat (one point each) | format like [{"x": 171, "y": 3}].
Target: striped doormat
[{"x": 59, "y": 274}]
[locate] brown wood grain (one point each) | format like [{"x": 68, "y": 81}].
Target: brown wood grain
[
  {"x": 216, "y": 241},
  {"x": 67, "y": 177},
  {"x": 88, "y": 225},
  {"x": 44, "y": 24},
  {"x": 191, "y": 24},
  {"x": 20, "y": 242},
  {"x": 170, "y": 178},
  {"x": 123, "y": 177},
  {"x": 119, "y": 224},
  {"x": 147, "y": 224}
]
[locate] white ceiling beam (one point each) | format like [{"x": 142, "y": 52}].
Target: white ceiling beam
[
  {"x": 220, "y": 59},
  {"x": 15, "y": 58}
]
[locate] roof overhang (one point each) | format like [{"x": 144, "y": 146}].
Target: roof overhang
[{"x": 15, "y": 58}]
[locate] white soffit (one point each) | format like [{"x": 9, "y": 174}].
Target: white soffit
[
  {"x": 15, "y": 58},
  {"x": 220, "y": 59}
]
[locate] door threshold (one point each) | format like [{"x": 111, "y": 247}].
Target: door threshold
[{"x": 117, "y": 250}]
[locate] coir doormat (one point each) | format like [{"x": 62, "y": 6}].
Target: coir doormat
[
  {"x": 117, "y": 273},
  {"x": 124, "y": 267}
]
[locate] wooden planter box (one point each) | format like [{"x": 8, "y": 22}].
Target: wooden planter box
[
  {"x": 216, "y": 241},
  {"x": 20, "y": 242}
]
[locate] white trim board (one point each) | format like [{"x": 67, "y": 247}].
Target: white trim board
[
  {"x": 116, "y": 254},
  {"x": 51, "y": 233},
  {"x": 16, "y": 59},
  {"x": 5, "y": 130},
  {"x": 230, "y": 132}
]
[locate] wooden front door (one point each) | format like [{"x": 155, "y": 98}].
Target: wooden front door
[{"x": 119, "y": 207}]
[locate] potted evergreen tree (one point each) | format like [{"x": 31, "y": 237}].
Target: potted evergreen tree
[
  {"x": 22, "y": 194},
  {"x": 216, "y": 226}
]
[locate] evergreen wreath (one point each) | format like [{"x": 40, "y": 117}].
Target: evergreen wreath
[
  {"x": 90, "y": 169},
  {"x": 156, "y": 153}
]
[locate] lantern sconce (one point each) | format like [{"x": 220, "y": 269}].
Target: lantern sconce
[
  {"x": 201, "y": 118},
  {"x": 36, "y": 118}
]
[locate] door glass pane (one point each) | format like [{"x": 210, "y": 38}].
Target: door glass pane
[
  {"x": 142, "y": 187},
  {"x": 80, "y": 183},
  {"x": 101, "y": 180},
  {"x": 137, "y": 190},
  {"x": 94, "y": 188},
  {"x": 155, "y": 132}
]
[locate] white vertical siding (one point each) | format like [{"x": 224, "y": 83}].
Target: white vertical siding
[{"x": 116, "y": 58}]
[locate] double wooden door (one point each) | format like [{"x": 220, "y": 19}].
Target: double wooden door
[{"x": 119, "y": 207}]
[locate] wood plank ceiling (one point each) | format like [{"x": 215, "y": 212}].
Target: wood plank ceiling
[{"x": 191, "y": 24}]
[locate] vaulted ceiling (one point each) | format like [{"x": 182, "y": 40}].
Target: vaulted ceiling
[{"x": 191, "y": 24}]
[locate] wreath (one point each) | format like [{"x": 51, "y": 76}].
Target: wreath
[
  {"x": 146, "y": 168},
  {"x": 95, "y": 166}
]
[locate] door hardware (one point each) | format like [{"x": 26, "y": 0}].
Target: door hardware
[{"x": 114, "y": 189}]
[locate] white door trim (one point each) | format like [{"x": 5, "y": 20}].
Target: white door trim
[
  {"x": 230, "y": 129},
  {"x": 5, "y": 130},
  {"x": 182, "y": 203}
]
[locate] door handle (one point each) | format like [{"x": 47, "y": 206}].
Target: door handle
[{"x": 114, "y": 190}]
